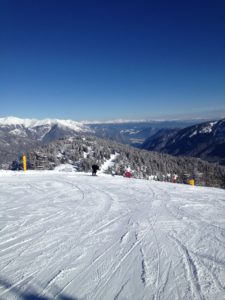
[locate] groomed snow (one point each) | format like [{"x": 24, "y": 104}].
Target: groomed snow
[{"x": 73, "y": 236}]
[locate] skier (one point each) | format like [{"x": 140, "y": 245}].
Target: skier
[
  {"x": 128, "y": 174},
  {"x": 174, "y": 178},
  {"x": 95, "y": 168}
]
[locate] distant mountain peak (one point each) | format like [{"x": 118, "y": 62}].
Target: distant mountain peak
[{"x": 30, "y": 123}]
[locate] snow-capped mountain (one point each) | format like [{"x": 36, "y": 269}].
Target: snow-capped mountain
[
  {"x": 206, "y": 141},
  {"x": 35, "y": 124},
  {"x": 17, "y": 135}
]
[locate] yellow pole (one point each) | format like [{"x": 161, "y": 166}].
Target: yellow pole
[
  {"x": 192, "y": 182},
  {"x": 24, "y": 163}
]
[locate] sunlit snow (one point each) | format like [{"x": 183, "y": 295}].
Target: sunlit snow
[
  {"x": 66, "y": 235},
  {"x": 30, "y": 123}
]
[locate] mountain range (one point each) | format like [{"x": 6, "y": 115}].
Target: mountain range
[
  {"x": 180, "y": 138},
  {"x": 18, "y": 135},
  {"x": 135, "y": 133},
  {"x": 205, "y": 141}
]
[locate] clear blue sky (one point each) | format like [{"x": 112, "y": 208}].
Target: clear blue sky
[{"x": 111, "y": 59}]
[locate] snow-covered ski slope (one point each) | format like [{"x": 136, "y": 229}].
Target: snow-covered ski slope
[{"x": 74, "y": 236}]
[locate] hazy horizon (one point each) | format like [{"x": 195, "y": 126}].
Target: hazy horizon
[{"x": 161, "y": 118}]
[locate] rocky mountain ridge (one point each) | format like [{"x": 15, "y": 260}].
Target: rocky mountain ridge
[{"x": 205, "y": 141}]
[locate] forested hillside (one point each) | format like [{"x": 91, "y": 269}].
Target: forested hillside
[
  {"x": 83, "y": 151},
  {"x": 205, "y": 140}
]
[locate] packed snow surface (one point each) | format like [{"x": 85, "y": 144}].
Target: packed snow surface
[{"x": 74, "y": 236}]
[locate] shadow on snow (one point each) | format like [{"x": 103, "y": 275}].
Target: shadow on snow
[{"x": 30, "y": 295}]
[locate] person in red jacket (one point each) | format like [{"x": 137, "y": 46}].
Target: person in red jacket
[{"x": 127, "y": 174}]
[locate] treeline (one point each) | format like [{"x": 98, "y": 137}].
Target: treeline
[{"x": 84, "y": 151}]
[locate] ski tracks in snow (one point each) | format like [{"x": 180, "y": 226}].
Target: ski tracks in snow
[{"x": 110, "y": 238}]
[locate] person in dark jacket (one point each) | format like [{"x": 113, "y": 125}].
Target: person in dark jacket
[{"x": 95, "y": 168}]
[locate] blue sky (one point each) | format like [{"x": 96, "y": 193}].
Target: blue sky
[{"x": 87, "y": 60}]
